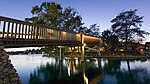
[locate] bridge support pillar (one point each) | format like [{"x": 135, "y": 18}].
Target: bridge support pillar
[
  {"x": 82, "y": 47},
  {"x": 60, "y": 52},
  {"x": 82, "y": 53}
]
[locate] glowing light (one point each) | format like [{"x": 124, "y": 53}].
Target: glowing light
[
  {"x": 69, "y": 66},
  {"x": 85, "y": 78},
  {"x": 64, "y": 33},
  {"x": 102, "y": 49},
  {"x": 84, "y": 44},
  {"x": 121, "y": 50}
]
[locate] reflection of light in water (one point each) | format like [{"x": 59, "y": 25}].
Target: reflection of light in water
[
  {"x": 69, "y": 66},
  {"x": 72, "y": 69},
  {"x": 85, "y": 78}
]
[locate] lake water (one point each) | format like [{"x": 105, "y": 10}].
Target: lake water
[{"x": 35, "y": 69}]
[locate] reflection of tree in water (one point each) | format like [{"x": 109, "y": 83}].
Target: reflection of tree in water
[
  {"x": 93, "y": 73},
  {"x": 112, "y": 67},
  {"x": 137, "y": 75},
  {"x": 54, "y": 73},
  {"x": 48, "y": 73},
  {"x": 57, "y": 73}
]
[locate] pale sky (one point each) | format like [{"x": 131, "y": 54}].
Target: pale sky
[{"x": 91, "y": 11}]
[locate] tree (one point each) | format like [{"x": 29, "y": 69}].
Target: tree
[
  {"x": 53, "y": 15},
  {"x": 127, "y": 25},
  {"x": 110, "y": 40},
  {"x": 48, "y": 13},
  {"x": 71, "y": 20},
  {"x": 106, "y": 35},
  {"x": 93, "y": 30}
]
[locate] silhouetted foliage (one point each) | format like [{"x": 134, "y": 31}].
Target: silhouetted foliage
[
  {"x": 111, "y": 41},
  {"x": 126, "y": 26},
  {"x": 93, "y": 30},
  {"x": 53, "y": 15}
]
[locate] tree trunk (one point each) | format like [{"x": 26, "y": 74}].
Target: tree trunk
[{"x": 126, "y": 48}]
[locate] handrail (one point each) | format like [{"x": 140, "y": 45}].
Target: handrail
[{"x": 17, "y": 29}]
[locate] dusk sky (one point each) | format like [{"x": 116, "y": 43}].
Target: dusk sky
[{"x": 91, "y": 11}]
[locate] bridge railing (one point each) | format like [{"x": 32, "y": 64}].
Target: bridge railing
[{"x": 16, "y": 29}]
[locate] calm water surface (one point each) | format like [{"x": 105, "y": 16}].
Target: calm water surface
[{"x": 35, "y": 69}]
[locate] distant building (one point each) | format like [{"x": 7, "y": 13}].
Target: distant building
[
  {"x": 134, "y": 48},
  {"x": 147, "y": 48}
]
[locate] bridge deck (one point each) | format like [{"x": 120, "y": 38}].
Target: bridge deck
[{"x": 16, "y": 33}]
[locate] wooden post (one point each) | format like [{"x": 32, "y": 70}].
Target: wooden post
[
  {"x": 3, "y": 33},
  {"x": 12, "y": 28},
  {"x": 45, "y": 34},
  {"x": 22, "y": 30},
  {"x": 8, "y": 29},
  {"x": 40, "y": 33},
  {"x": 26, "y": 31},
  {"x": 32, "y": 32},
  {"x": 19, "y": 30},
  {"x": 29, "y": 32},
  {"x": 37, "y": 33},
  {"x": 16, "y": 30}
]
